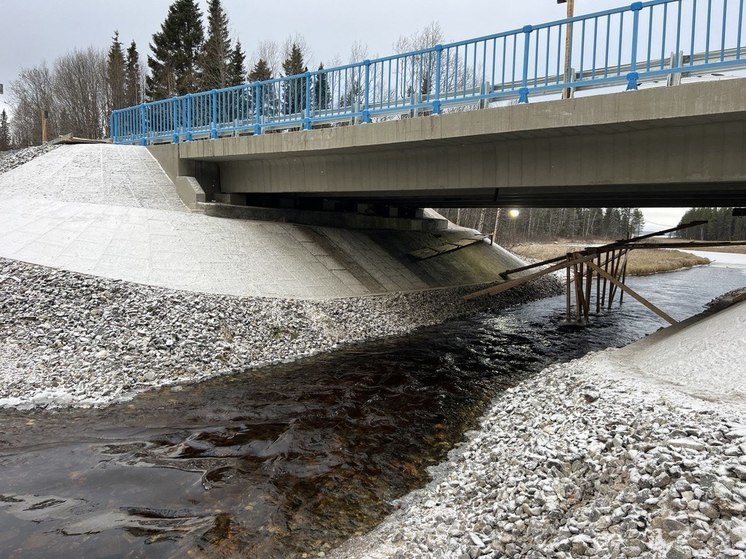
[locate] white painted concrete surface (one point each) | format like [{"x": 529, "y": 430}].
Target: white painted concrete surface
[{"x": 111, "y": 211}]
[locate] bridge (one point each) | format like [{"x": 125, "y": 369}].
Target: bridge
[{"x": 457, "y": 125}]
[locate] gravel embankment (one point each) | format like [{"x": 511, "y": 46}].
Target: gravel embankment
[
  {"x": 573, "y": 463},
  {"x": 73, "y": 339},
  {"x": 17, "y": 157}
]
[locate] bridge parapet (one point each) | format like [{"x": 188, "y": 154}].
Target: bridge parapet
[{"x": 658, "y": 40}]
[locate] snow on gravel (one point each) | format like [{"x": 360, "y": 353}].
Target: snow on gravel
[
  {"x": 17, "y": 157},
  {"x": 588, "y": 460},
  {"x": 73, "y": 339}
]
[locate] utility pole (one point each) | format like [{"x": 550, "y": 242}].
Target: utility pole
[
  {"x": 567, "y": 92},
  {"x": 44, "y": 117}
]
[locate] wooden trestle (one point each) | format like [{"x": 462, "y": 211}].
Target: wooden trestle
[{"x": 607, "y": 264}]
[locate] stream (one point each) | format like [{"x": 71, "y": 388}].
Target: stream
[{"x": 292, "y": 459}]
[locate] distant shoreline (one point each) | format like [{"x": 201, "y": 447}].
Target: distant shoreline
[{"x": 642, "y": 262}]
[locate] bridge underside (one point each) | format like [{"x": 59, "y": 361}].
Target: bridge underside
[
  {"x": 676, "y": 146},
  {"x": 683, "y": 195}
]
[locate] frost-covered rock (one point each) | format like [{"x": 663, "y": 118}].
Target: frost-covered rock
[
  {"x": 73, "y": 339},
  {"x": 627, "y": 472},
  {"x": 17, "y": 157}
]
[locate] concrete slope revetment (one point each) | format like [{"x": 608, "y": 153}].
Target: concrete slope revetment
[{"x": 111, "y": 211}]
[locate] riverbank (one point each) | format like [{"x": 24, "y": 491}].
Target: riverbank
[
  {"x": 641, "y": 262},
  {"x": 612, "y": 455},
  {"x": 70, "y": 339}
]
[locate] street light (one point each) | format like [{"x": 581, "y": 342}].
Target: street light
[{"x": 567, "y": 92}]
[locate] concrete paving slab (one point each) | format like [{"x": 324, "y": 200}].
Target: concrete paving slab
[{"x": 111, "y": 211}]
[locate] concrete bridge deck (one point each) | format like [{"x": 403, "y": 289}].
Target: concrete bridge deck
[{"x": 668, "y": 146}]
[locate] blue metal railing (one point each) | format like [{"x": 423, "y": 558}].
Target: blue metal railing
[{"x": 644, "y": 41}]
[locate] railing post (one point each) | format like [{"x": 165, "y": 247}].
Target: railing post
[
  {"x": 213, "y": 114},
  {"x": 366, "y": 92},
  {"x": 523, "y": 91},
  {"x": 189, "y": 117},
  {"x": 175, "y": 109},
  {"x": 307, "y": 118},
  {"x": 438, "y": 56},
  {"x": 144, "y": 125},
  {"x": 633, "y": 75},
  {"x": 112, "y": 127},
  {"x": 257, "y": 107}
]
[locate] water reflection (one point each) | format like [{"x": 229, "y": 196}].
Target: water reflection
[{"x": 286, "y": 460}]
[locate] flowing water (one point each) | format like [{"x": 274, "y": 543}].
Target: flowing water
[{"x": 290, "y": 459}]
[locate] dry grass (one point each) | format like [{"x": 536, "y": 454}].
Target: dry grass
[
  {"x": 738, "y": 249},
  {"x": 641, "y": 262},
  {"x": 735, "y": 249}
]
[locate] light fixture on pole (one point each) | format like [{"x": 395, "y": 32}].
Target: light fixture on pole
[{"x": 567, "y": 92}]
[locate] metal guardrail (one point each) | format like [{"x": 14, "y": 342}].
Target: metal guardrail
[{"x": 645, "y": 41}]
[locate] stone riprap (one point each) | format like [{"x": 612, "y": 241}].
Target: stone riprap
[
  {"x": 581, "y": 461},
  {"x": 74, "y": 339},
  {"x": 17, "y": 157}
]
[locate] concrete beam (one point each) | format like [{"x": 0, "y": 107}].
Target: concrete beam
[{"x": 664, "y": 146}]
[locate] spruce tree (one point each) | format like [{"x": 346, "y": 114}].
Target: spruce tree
[
  {"x": 132, "y": 84},
  {"x": 638, "y": 221},
  {"x": 215, "y": 58},
  {"x": 176, "y": 48},
  {"x": 115, "y": 74},
  {"x": 4, "y": 131},
  {"x": 322, "y": 95},
  {"x": 236, "y": 68},
  {"x": 260, "y": 72},
  {"x": 294, "y": 91}
]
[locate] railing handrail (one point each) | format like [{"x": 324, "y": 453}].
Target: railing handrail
[{"x": 456, "y": 61}]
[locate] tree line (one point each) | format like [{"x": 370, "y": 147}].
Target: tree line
[
  {"x": 81, "y": 88},
  {"x": 76, "y": 94},
  {"x": 542, "y": 224},
  {"x": 721, "y": 225}
]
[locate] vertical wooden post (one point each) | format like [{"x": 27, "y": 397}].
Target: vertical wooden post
[
  {"x": 598, "y": 286},
  {"x": 606, "y": 269},
  {"x": 588, "y": 291},
  {"x": 578, "y": 291},
  {"x": 615, "y": 272},
  {"x": 610, "y": 270},
  {"x": 569, "y": 297},
  {"x": 44, "y": 117},
  {"x": 624, "y": 277}
]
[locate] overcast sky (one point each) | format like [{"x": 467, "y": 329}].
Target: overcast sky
[{"x": 41, "y": 30}]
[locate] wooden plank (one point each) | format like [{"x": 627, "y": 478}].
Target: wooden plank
[
  {"x": 532, "y": 266},
  {"x": 689, "y": 244},
  {"x": 633, "y": 294},
  {"x": 656, "y": 234},
  {"x": 602, "y": 248},
  {"x": 495, "y": 289}
]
